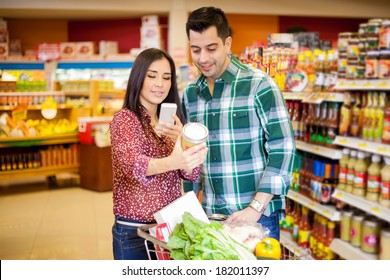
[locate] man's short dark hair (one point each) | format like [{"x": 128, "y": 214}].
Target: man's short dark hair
[{"x": 205, "y": 17}]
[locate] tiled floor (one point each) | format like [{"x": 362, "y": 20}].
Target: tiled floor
[{"x": 65, "y": 222}]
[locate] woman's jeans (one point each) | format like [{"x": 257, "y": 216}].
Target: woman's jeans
[
  {"x": 271, "y": 223},
  {"x": 127, "y": 245}
]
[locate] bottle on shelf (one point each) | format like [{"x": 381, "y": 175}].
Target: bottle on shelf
[
  {"x": 367, "y": 119},
  {"x": 303, "y": 124},
  {"x": 343, "y": 169},
  {"x": 386, "y": 125},
  {"x": 373, "y": 116},
  {"x": 304, "y": 229},
  {"x": 345, "y": 115},
  {"x": 333, "y": 124},
  {"x": 296, "y": 119},
  {"x": 384, "y": 198},
  {"x": 321, "y": 239},
  {"x": 330, "y": 235},
  {"x": 379, "y": 117},
  {"x": 327, "y": 187},
  {"x": 297, "y": 218},
  {"x": 314, "y": 236},
  {"x": 360, "y": 175},
  {"x": 351, "y": 171},
  {"x": 355, "y": 115},
  {"x": 286, "y": 224},
  {"x": 374, "y": 179}
]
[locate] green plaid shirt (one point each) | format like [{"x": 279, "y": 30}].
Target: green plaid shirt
[{"x": 251, "y": 142}]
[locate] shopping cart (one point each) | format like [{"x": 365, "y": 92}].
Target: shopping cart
[
  {"x": 155, "y": 248},
  {"x": 158, "y": 250}
]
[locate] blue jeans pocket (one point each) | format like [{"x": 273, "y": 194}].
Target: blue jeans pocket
[{"x": 127, "y": 245}]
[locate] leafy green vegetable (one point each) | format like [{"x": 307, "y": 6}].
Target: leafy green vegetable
[{"x": 194, "y": 239}]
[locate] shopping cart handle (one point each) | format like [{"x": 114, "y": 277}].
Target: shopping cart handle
[{"x": 143, "y": 231}]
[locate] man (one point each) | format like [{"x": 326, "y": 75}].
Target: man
[{"x": 251, "y": 145}]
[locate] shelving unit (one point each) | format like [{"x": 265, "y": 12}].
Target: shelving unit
[
  {"x": 331, "y": 96},
  {"x": 379, "y": 84},
  {"x": 363, "y": 145},
  {"x": 40, "y": 171},
  {"x": 349, "y": 252},
  {"x": 372, "y": 208},
  {"x": 55, "y": 139},
  {"x": 319, "y": 150},
  {"x": 329, "y": 212}
]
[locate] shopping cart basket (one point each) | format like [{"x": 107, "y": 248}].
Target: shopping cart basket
[{"x": 156, "y": 248}]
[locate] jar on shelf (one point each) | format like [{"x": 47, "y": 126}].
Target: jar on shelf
[
  {"x": 372, "y": 62},
  {"x": 384, "y": 244},
  {"x": 362, "y": 30},
  {"x": 373, "y": 27},
  {"x": 351, "y": 72},
  {"x": 342, "y": 42},
  {"x": 362, "y": 59},
  {"x": 356, "y": 229},
  {"x": 353, "y": 49},
  {"x": 371, "y": 228},
  {"x": 384, "y": 35},
  {"x": 345, "y": 225},
  {"x": 342, "y": 66},
  {"x": 372, "y": 44},
  {"x": 384, "y": 64}
]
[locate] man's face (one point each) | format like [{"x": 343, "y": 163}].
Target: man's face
[{"x": 209, "y": 53}]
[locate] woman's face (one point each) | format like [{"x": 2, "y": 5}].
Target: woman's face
[{"x": 157, "y": 84}]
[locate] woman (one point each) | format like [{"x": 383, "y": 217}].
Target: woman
[{"x": 148, "y": 163}]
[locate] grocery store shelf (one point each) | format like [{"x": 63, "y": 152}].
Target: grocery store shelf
[
  {"x": 349, "y": 252},
  {"x": 294, "y": 95},
  {"x": 367, "y": 146},
  {"x": 40, "y": 171},
  {"x": 332, "y": 96},
  {"x": 65, "y": 138},
  {"x": 329, "y": 212},
  {"x": 372, "y": 208},
  {"x": 318, "y": 150},
  {"x": 378, "y": 84},
  {"x": 32, "y": 93},
  {"x": 36, "y": 107},
  {"x": 94, "y": 65},
  {"x": 289, "y": 244},
  {"x": 22, "y": 65}
]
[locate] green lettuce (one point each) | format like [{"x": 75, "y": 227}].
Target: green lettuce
[{"x": 194, "y": 239}]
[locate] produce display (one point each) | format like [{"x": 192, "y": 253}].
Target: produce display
[{"x": 11, "y": 128}]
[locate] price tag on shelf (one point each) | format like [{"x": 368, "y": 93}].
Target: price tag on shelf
[
  {"x": 297, "y": 252},
  {"x": 383, "y": 149},
  {"x": 343, "y": 141},
  {"x": 326, "y": 212},
  {"x": 383, "y": 85},
  {"x": 363, "y": 145},
  {"x": 375, "y": 210},
  {"x": 367, "y": 85},
  {"x": 316, "y": 149},
  {"x": 311, "y": 204},
  {"x": 339, "y": 195}
]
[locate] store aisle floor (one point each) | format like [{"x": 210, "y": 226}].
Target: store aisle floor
[{"x": 65, "y": 222}]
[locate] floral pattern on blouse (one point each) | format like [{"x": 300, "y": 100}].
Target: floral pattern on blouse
[{"x": 137, "y": 196}]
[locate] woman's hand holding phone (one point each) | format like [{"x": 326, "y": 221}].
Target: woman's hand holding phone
[{"x": 170, "y": 130}]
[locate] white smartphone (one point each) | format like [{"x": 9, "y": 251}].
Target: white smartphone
[{"x": 166, "y": 111}]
